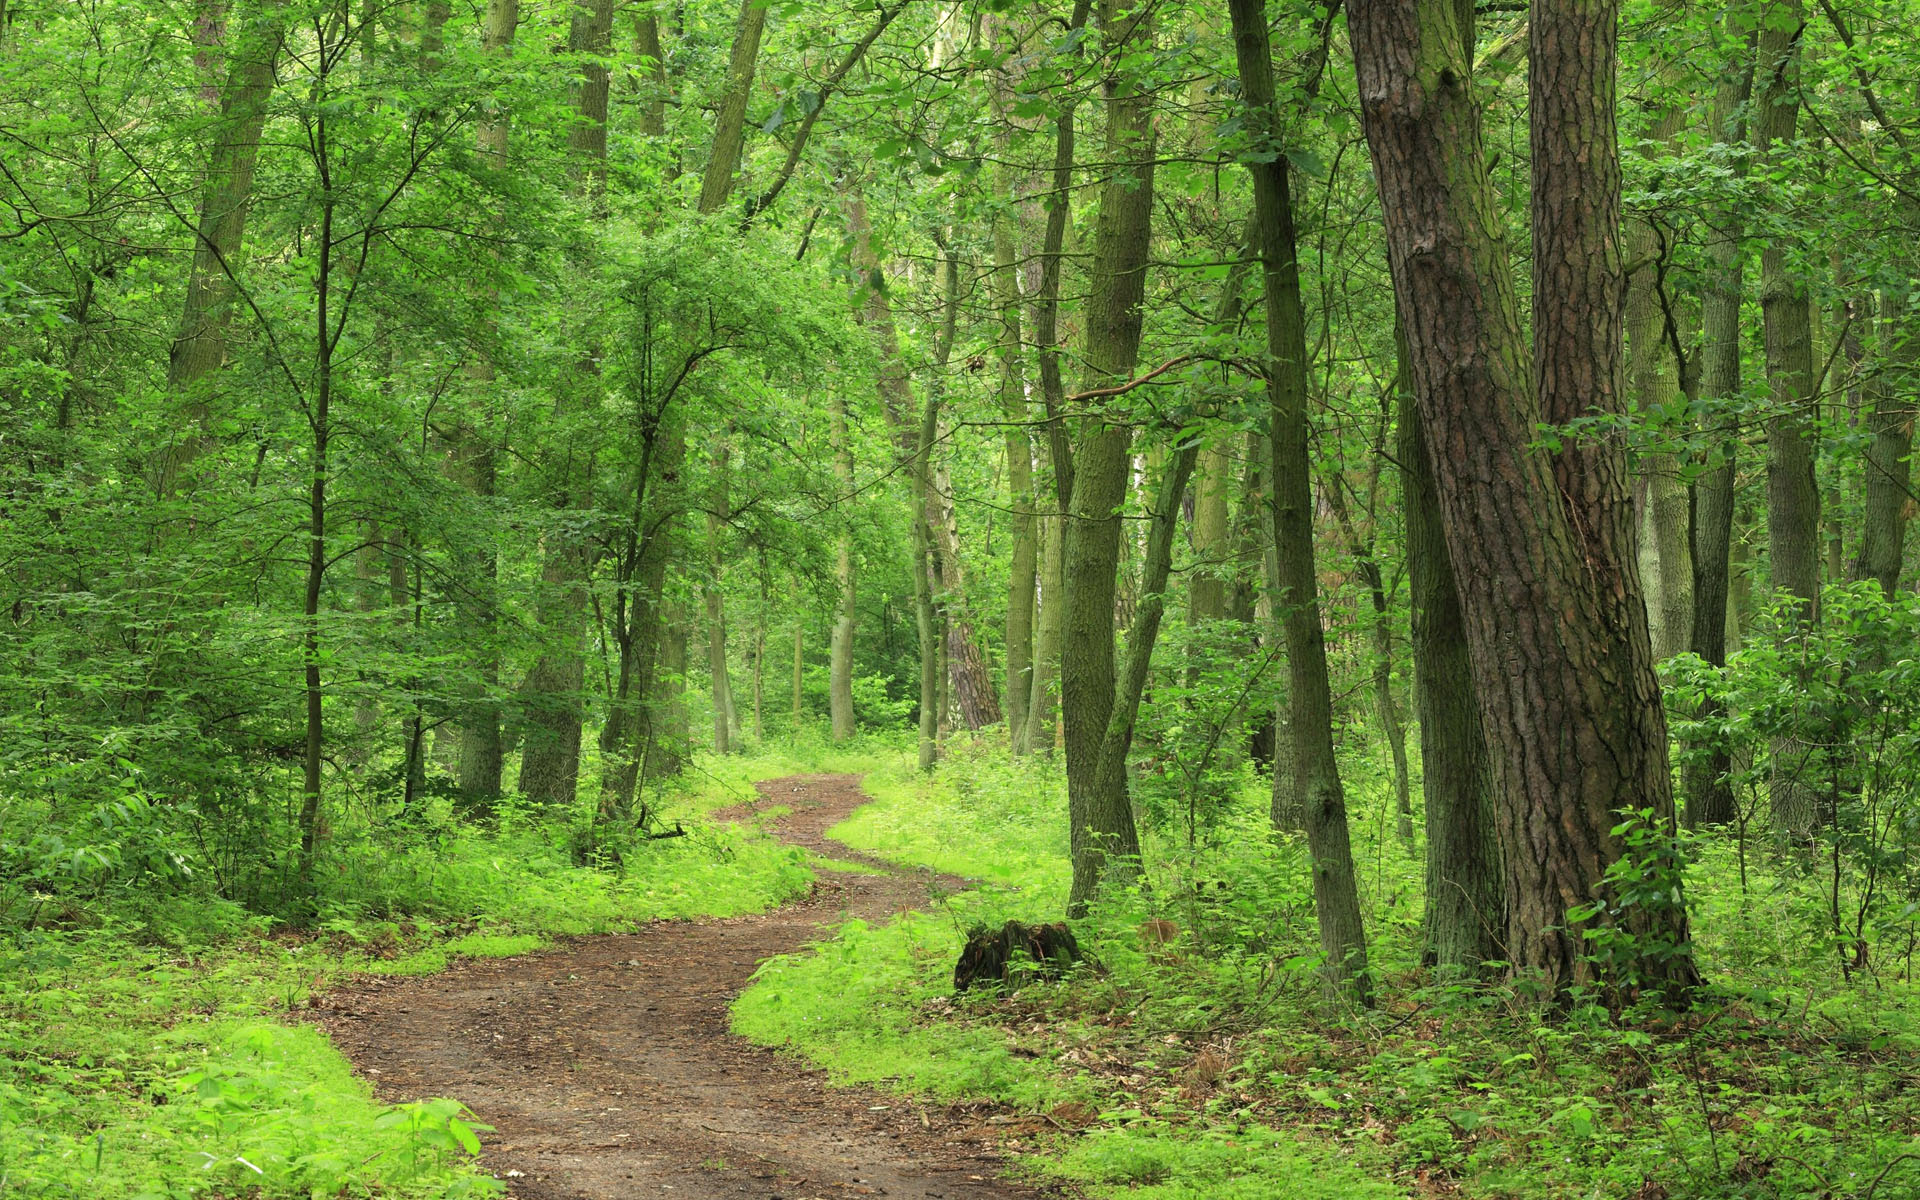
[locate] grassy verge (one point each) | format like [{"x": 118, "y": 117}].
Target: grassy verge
[
  {"x": 1214, "y": 1066},
  {"x": 1101, "y": 1054},
  {"x": 147, "y": 1050}
]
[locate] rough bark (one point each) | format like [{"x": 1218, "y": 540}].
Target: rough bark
[
  {"x": 1102, "y": 839},
  {"x": 1793, "y": 498},
  {"x": 1555, "y": 622},
  {"x": 1316, "y": 772}
]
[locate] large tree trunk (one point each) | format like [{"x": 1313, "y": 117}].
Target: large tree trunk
[
  {"x": 1706, "y": 786},
  {"x": 1336, "y": 894},
  {"x": 1102, "y": 839},
  {"x": 1562, "y": 664},
  {"x": 1793, "y": 498},
  {"x": 1464, "y": 916},
  {"x": 840, "y": 650},
  {"x": 200, "y": 341}
]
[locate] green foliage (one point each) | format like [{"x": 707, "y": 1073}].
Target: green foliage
[
  {"x": 1212, "y": 1065},
  {"x": 140, "y": 1054}
]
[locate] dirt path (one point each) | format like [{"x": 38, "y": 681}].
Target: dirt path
[{"x": 606, "y": 1068}]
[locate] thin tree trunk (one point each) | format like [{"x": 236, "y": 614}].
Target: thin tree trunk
[
  {"x": 1252, "y": 538},
  {"x": 1102, "y": 839},
  {"x": 1041, "y": 707},
  {"x": 1651, "y": 371},
  {"x": 840, "y": 660},
  {"x": 1464, "y": 914},
  {"x": 725, "y": 722},
  {"x": 799, "y": 673},
  {"x": 1336, "y": 892},
  {"x": 1157, "y": 562},
  {"x": 1884, "y": 527},
  {"x": 1706, "y": 786},
  {"x": 1023, "y": 569}
]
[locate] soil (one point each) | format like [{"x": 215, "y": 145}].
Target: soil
[{"x": 606, "y": 1068}]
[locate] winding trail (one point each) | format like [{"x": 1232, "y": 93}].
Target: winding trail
[{"x": 607, "y": 1070}]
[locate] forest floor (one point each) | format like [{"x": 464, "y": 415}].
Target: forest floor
[{"x": 606, "y": 1067}]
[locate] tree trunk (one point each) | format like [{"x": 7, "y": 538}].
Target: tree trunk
[
  {"x": 1708, "y": 790},
  {"x": 799, "y": 674},
  {"x": 482, "y": 752},
  {"x": 1050, "y": 600},
  {"x": 1793, "y": 498},
  {"x": 1104, "y": 844},
  {"x": 1022, "y": 571},
  {"x": 1464, "y": 915},
  {"x": 1556, "y": 625},
  {"x": 725, "y": 721},
  {"x": 1110, "y": 773},
  {"x": 1251, "y": 587},
  {"x": 840, "y": 659},
  {"x": 672, "y": 726},
  {"x": 1336, "y": 895},
  {"x": 913, "y": 435},
  {"x": 550, "y": 759},
  {"x": 1651, "y": 370},
  {"x": 1884, "y": 528},
  {"x": 200, "y": 341},
  {"x": 729, "y": 130}
]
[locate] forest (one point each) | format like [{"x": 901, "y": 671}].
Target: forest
[{"x": 1006, "y": 598}]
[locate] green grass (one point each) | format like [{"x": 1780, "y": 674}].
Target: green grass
[
  {"x": 1787, "y": 1080},
  {"x": 147, "y": 1050},
  {"x": 876, "y": 1005}
]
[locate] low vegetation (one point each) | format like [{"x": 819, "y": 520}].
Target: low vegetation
[{"x": 1211, "y": 1064}]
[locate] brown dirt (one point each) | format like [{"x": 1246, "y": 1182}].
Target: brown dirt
[{"x": 607, "y": 1070}]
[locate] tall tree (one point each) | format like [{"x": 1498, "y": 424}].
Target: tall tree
[
  {"x": 1793, "y": 497},
  {"x": 1102, "y": 838},
  {"x": 1316, "y": 772},
  {"x": 1555, "y": 621},
  {"x": 200, "y": 341}
]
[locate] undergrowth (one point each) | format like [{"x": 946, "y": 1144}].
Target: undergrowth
[
  {"x": 150, "y": 1046},
  {"x": 1214, "y": 1066}
]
